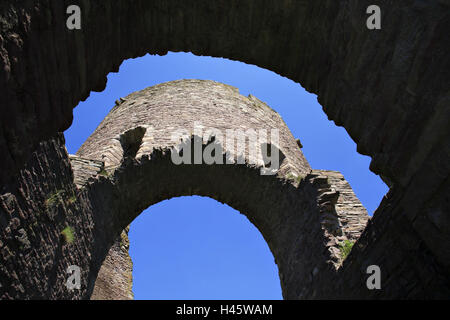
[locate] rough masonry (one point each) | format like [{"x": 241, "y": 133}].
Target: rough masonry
[
  {"x": 126, "y": 166},
  {"x": 189, "y": 104},
  {"x": 388, "y": 88}
]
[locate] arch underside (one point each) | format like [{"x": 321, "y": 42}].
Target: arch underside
[
  {"x": 388, "y": 88},
  {"x": 303, "y": 223}
]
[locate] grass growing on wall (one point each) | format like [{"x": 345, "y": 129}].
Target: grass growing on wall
[
  {"x": 68, "y": 234},
  {"x": 54, "y": 198},
  {"x": 345, "y": 247}
]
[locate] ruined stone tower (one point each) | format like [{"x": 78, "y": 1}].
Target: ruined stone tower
[
  {"x": 303, "y": 214},
  {"x": 388, "y": 88}
]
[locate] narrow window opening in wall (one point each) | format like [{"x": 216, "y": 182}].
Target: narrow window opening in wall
[
  {"x": 325, "y": 146},
  {"x": 131, "y": 140}
]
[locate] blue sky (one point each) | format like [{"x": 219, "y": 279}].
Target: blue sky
[{"x": 195, "y": 247}]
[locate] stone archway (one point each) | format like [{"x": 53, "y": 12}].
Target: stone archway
[
  {"x": 301, "y": 213},
  {"x": 388, "y": 88}
]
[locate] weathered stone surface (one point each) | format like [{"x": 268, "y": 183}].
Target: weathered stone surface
[
  {"x": 34, "y": 255},
  {"x": 188, "y": 106},
  {"x": 286, "y": 207},
  {"x": 342, "y": 215},
  {"x": 198, "y": 107},
  {"x": 324, "y": 45},
  {"x": 84, "y": 169},
  {"x": 115, "y": 279},
  {"x": 388, "y": 88}
]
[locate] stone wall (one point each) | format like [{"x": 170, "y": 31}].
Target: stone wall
[
  {"x": 324, "y": 45},
  {"x": 292, "y": 209},
  {"x": 98, "y": 199},
  {"x": 35, "y": 252},
  {"x": 388, "y": 88},
  {"x": 115, "y": 278}
]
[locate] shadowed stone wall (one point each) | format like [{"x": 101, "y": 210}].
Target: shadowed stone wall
[
  {"x": 34, "y": 255},
  {"x": 388, "y": 88},
  {"x": 115, "y": 278}
]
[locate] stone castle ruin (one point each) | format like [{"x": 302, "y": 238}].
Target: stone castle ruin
[
  {"x": 388, "y": 87},
  {"x": 303, "y": 214}
]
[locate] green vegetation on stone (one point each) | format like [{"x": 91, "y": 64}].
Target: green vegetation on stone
[
  {"x": 299, "y": 178},
  {"x": 68, "y": 234},
  {"x": 296, "y": 179},
  {"x": 103, "y": 172},
  {"x": 54, "y": 198},
  {"x": 59, "y": 195},
  {"x": 345, "y": 247}
]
